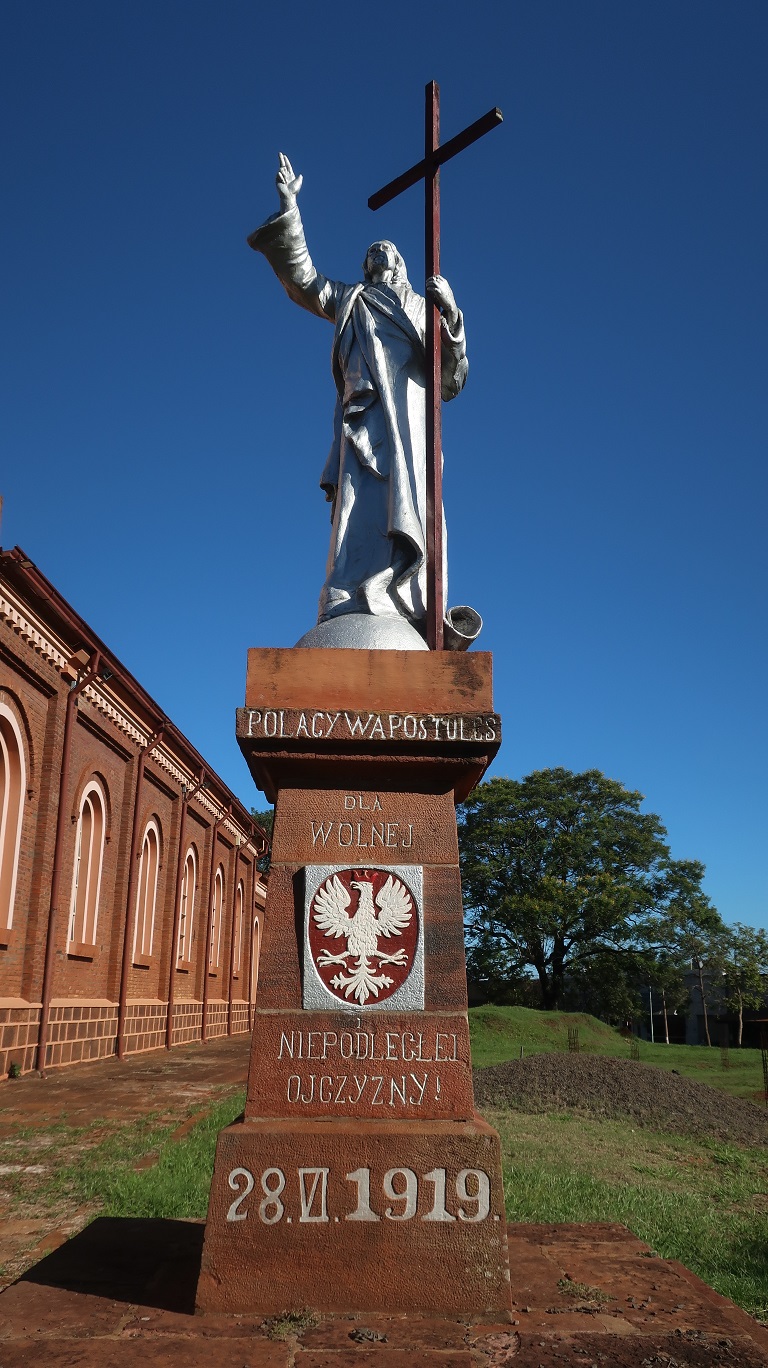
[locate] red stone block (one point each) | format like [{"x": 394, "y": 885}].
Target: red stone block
[
  {"x": 323, "y": 1064},
  {"x": 387, "y": 1216},
  {"x": 400, "y": 681}
]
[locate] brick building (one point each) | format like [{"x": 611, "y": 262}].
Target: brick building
[{"x": 131, "y": 904}]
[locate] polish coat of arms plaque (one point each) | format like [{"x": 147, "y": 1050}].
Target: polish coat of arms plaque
[{"x": 363, "y": 942}]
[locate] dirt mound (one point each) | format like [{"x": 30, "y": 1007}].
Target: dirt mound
[{"x": 601, "y": 1086}]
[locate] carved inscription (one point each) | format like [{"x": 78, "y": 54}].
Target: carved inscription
[
  {"x": 363, "y": 823},
  {"x": 351, "y": 1079},
  {"x": 403, "y": 1196},
  {"x": 291, "y": 724}
]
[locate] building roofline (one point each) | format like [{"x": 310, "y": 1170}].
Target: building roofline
[{"x": 24, "y": 576}]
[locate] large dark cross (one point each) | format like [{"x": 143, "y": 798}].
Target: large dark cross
[{"x": 428, "y": 170}]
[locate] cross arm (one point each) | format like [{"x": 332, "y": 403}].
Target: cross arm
[{"x": 443, "y": 154}]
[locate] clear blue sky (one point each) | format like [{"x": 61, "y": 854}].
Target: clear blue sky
[{"x": 167, "y": 411}]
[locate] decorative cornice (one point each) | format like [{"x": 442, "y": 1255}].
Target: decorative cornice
[
  {"x": 52, "y": 648},
  {"x": 29, "y": 627}
]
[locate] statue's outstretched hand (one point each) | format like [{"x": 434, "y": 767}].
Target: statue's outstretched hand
[
  {"x": 288, "y": 185},
  {"x": 441, "y": 294}
]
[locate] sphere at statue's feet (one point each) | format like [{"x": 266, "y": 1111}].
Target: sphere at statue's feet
[{"x": 364, "y": 632}]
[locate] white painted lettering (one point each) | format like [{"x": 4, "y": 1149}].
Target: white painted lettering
[
  {"x": 362, "y": 1212},
  {"x": 307, "y": 1196},
  {"x": 287, "y": 1044},
  {"x": 234, "y": 1213},
  {"x": 360, "y": 1087},
  {"x": 397, "y": 1090},
  {"x": 421, "y": 1085},
  {"x": 355, "y": 724},
  {"x": 271, "y": 1200}
]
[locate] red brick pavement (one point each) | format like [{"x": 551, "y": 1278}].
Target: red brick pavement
[{"x": 122, "y": 1293}]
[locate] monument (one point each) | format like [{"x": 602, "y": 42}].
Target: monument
[{"x": 360, "y": 1177}]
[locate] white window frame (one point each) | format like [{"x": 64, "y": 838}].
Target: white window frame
[
  {"x": 85, "y": 909},
  {"x": 217, "y": 917},
  {"x": 237, "y": 959},
  {"x": 187, "y": 908},
  {"x": 147, "y": 877},
  {"x": 11, "y": 810}
]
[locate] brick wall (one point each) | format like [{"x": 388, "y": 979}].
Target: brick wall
[{"x": 45, "y": 650}]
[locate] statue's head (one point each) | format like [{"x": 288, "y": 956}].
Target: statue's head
[{"x": 383, "y": 262}]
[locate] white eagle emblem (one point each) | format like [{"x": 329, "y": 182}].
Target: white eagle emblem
[{"x": 362, "y": 931}]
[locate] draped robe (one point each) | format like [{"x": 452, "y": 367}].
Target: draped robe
[{"x": 375, "y": 474}]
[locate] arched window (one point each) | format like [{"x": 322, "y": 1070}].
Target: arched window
[
  {"x": 255, "y": 951},
  {"x": 217, "y": 917},
  {"x": 89, "y": 857},
  {"x": 239, "y": 928},
  {"x": 13, "y": 782},
  {"x": 146, "y": 896},
  {"x": 187, "y": 907}
]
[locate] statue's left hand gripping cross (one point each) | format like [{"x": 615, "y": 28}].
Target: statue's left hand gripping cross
[{"x": 428, "y": 170}]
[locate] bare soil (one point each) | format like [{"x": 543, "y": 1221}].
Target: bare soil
[{"x": 598, "y": 1086}]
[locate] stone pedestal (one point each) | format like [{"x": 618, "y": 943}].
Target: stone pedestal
[{"x": 360, "y": 1177}]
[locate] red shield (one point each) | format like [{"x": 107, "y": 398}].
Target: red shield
[{"x": 363, "y": 932}]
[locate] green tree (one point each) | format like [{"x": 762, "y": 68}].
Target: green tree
[
  {"x": 746, "y": 969},
  {"x": 563, "y": 870},
  {"x": 688, "y": 934},
  {"x": 667, "y": 977},
  {"x": 266, "y": 821}
]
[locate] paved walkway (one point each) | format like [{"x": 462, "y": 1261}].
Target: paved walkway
[
  {"x": 121, "y": 1292},
  {"x": 50, "y": 1122},
  {"x": 164, "y": 1080}
]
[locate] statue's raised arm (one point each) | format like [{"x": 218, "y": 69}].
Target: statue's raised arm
[
  {"x": 375, "y": 474},
  {"x": 288, "y": 185}
]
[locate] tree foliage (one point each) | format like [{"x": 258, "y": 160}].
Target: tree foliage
[
  {"x": 564, "y": 877},
  {"x": 266, "y": 821},
  {"x": 745, "y": 969}
]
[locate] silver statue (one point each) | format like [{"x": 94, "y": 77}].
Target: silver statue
[{"x": 375, "y": 475}]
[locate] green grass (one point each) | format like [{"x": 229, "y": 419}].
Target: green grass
[
  {"x": 176, "y": 1186},
  {"x": 699, "y": 1201},
  {"x": 498, "y": 1033}
]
